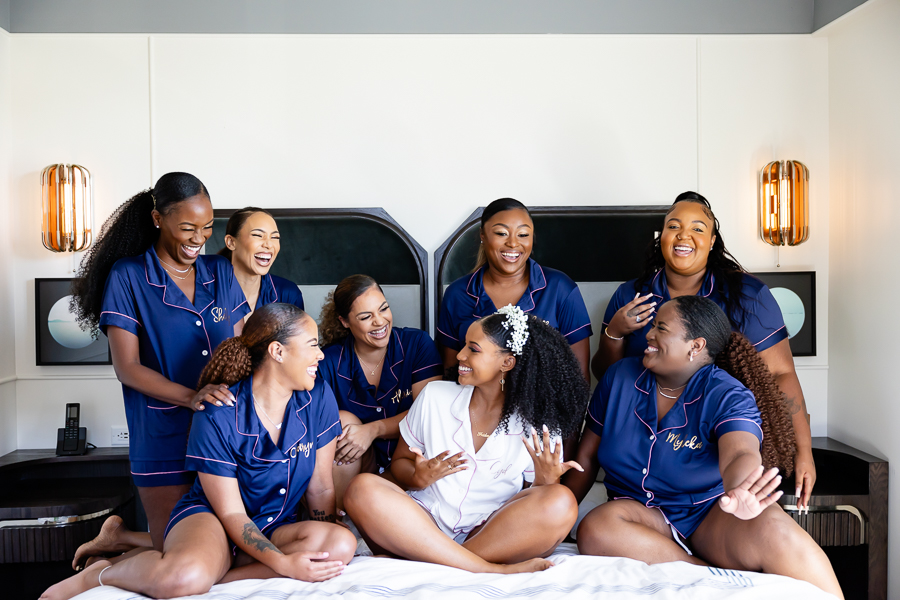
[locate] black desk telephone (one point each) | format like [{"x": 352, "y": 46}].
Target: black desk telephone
[{"x": 71, "y": 439}]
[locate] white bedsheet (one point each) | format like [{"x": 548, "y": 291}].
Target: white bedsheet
[{"x": 574, "y": 577}]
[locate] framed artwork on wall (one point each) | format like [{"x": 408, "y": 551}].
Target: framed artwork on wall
[
  {"x": 57, "y": 337},
  {"x": 795, "y": 292}
]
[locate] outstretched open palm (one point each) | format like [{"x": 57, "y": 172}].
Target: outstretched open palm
[{"x": 753, "y": 495}]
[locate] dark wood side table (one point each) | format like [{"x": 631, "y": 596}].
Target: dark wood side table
[
  {"x": 848, "y": 515},
  {"x": 49, "y": 505}
]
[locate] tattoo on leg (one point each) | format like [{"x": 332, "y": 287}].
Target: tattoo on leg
[
  {"x": 319, "y": 515},
  {"x": 254, "y": 538}
]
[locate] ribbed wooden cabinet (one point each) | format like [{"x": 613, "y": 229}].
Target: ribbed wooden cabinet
[{"x": 848, "y": 516}]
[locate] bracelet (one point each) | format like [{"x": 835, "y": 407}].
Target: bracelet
[{"x": 618, "y": 339}]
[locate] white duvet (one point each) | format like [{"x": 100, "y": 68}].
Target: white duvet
[{"x": 574, "y": 577}]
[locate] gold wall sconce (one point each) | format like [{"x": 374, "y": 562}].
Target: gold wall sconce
[
  {"x": 784, "y": 203},
  {"x": 67, "y": 201}
]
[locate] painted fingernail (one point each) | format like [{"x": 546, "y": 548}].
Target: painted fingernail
[
  {"x": 533, "y": 431},
  {"x": 218, "y": 403},
  {"x": 545, "y": 429}
]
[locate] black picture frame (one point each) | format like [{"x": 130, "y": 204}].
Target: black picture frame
[
  {"x": 49, "y": 351},
  {"x": 802, "y": 284}
]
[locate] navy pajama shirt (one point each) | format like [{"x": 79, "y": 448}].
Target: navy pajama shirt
[
  {"x": 176, "y": 339},
  {"x": 411, "y": 357}
]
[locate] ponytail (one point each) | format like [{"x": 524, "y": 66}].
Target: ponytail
[
  {"x": 741, "y": 360},
  {"x": 236, "y": 358},
  {"x": 129, "y": 231},
  {"x": 229, "y": 364}
]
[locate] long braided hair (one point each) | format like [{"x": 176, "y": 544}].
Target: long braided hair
[{"x": 732, "y": 352}]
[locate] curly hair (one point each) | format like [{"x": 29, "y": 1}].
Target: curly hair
[
  {"x": 730, "y": 351},
  {"x": 235, "y": 222},
  {"x": 741, "y": 360},
  {"x": 338, "y": 304},
  {"x": 497, "y": 206},
  {"x": 236, "y": 358},
  {"x": 546, "y": 386},
  {"x": 727, "y": 270},
  {"x": 129, "y": 231}
]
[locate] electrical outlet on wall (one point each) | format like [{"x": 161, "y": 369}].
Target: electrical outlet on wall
[{"x": 119, "y": 436}]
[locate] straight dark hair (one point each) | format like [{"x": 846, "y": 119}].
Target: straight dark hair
[{"x": 236, "y": 222}]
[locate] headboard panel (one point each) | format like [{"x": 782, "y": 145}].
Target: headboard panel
[{"x": 319, "y": 247}]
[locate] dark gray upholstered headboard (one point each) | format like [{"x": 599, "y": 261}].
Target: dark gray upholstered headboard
[
  {"x": 319, "y": 247},
  {"x": 587, "y": 243}
]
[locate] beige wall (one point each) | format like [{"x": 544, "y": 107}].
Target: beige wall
[
  {"x": 864, "y": 91},
  {"x": 428, "y": 127}
]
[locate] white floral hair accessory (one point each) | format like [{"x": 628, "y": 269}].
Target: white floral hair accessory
[{"x": 518, "y": 320}]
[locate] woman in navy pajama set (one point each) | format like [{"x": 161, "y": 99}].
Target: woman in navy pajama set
[
  {"x": 679, "y": 439},
  {"x": 165, "y": 308},
  {"x": 505, "y": 274},
  {"x": 252, "y": 242},
  {"x": 376, "y": 371},
  {"x": 690, "y": 258},
  {"x": 256, "y": 458}
]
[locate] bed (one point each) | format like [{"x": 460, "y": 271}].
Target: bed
[{"x": 573, "y": 577}]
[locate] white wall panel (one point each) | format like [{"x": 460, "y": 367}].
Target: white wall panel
[
  {"x": 77, "y": 99},
  {"x": 41, "y": 408},
  {"x": 864, "y": 85},
  {"x": 429, "y": 127},
  {"x": 764, "y": 98},
  {"x": 7, "y": 304}
]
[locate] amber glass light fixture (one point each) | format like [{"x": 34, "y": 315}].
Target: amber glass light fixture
[
  {"x": 784, "y": 203},
  {"x": 67, "y": 200}
]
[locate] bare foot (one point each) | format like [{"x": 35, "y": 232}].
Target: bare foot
[
  {"x": 76, "y": 584},
  {"x": 106, "y": 541},
  {"x": 528, "y": 566}
]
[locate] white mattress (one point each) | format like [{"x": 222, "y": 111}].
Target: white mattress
[{"x": 573, "y": 577}]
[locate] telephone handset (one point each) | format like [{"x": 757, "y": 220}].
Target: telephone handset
[{"x": 71, "y": 439}]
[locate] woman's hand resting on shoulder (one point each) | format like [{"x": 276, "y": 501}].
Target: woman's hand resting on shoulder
[
  {"x": 753, "y": 495},
  {"x": 213, "y": 393},
  {"x": 429, "y": 470},
  {"x": 548, "y": 466}
]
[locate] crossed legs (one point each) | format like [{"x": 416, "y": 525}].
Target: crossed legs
[
  {"x": 389, "y": 519},
  {"x": 770, "y": 543}
]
